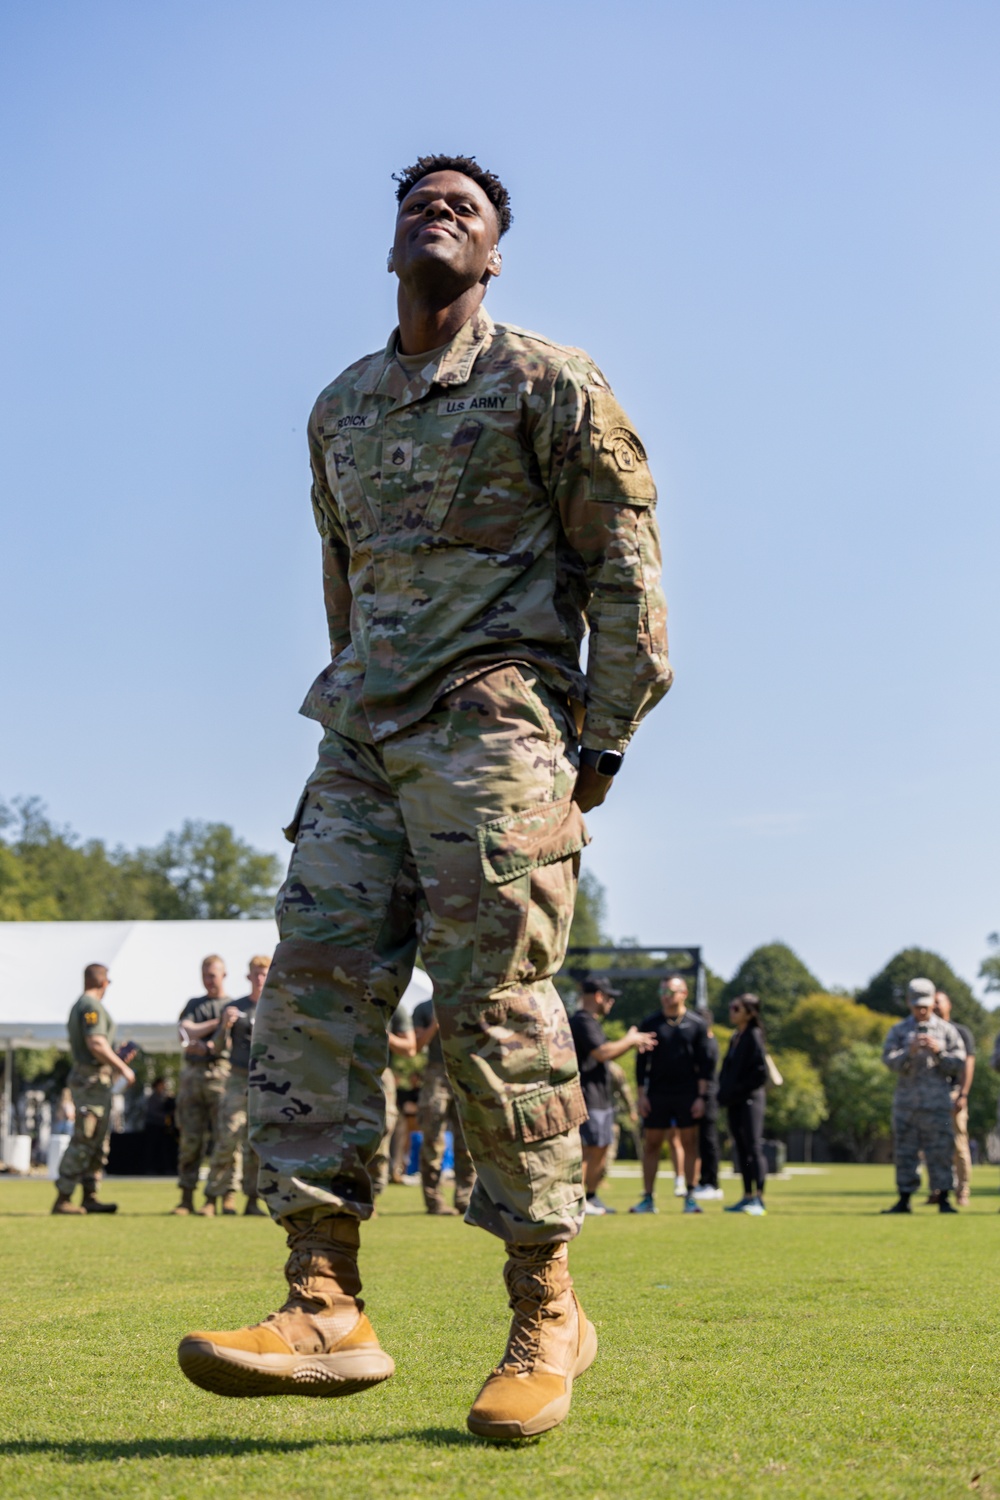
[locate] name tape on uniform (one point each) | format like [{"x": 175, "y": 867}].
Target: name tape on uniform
[{"x": 477, "y": 403}]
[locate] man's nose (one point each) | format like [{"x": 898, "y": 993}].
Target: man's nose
[{"x": 438, "y": 210}]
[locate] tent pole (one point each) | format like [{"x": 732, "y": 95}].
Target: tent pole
[{"x": 8, "y": 1095}]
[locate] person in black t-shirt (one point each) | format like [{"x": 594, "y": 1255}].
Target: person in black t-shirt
[
  {"x": 959, "y": 1104},
  {"x": 593, "y": 1053},
  {"x": 674, "y": 1082}
]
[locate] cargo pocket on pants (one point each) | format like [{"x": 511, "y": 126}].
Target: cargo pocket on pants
[
  {"x": 530, "y": 862},
  {"x": 550, "y": 1155}
]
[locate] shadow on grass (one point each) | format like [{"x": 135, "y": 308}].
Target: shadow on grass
[{"x": 96, "y": 1451}]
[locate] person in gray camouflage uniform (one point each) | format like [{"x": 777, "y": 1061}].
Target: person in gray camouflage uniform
[
  {"x": 482, "y": 501},
  {"x": 927, "y": 1055}
]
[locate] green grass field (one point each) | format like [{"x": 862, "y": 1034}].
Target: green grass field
[{"x": 821, "y": 1351}]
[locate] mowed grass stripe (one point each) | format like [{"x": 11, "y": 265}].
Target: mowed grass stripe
[{"x": 821, "y": 1351}]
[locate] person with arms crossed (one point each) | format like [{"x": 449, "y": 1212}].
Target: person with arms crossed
[
  {"x": 674, "y": 1081},
  {"x": 481, "y": 499},
  {"x": 593, "y": 1054},
  {"x": 202, "y": 1083},
  {"x": 95, "y": 1062},
  {"x": 231, "y": 1041},
  {"x": 959, "y": 1104}
]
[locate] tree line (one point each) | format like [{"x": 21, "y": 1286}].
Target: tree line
[{"x": 49, "y": 874}]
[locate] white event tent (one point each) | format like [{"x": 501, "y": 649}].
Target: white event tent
[{"x": 155, "y": 969}]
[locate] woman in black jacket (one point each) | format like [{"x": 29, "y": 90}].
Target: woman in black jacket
[{"x": 741, "y": 1089}]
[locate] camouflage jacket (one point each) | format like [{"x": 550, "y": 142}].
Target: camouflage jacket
[
  {"x": 487, "y": 509},
  {"x": 924, "y": 1080}
]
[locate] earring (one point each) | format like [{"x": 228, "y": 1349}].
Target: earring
[
  {"x": 389, "y": 263},
  {"x": 495, "y": 256}
]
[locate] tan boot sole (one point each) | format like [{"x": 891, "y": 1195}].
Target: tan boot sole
[
  {"x": 549, "y": 1416},
  {"x": 236, "y": 1372}
]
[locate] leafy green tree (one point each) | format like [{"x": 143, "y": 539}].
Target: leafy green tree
[
  {"x": 590, "y": 914},
  {"x": 205, "y": 871},
  {"x": 886, "y": 992},
  {"x": 800, "y": 1102},
  {"x": 823, "y": 1025},
  {"x": 47, "y": 874},
  {"x": 859, "y": 1090},
  {"x": 778, "y": 976},
  {"x": 985, "y": 1094},
  {"x": 989, "y": 969}
]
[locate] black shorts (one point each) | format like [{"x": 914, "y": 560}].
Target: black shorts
[{"x": 667, "y": 1110}]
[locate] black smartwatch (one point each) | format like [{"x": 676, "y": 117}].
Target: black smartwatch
[{"x": 604, "y": 762}]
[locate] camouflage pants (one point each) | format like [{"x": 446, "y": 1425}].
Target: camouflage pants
[
  {"x": 929, "y": 1131},
  {"x": 84, "y": 1157},
  {"x": 378, "y": 1167},
  {"x": 436, "y": 1113},
  {"x": 963, "y": 1157},
  {"x": 199, "y": 1096},
  {"x": 458, "y": 832},
  {"x": 231, "y": 1144}
]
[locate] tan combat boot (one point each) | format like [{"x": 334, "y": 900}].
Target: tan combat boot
[
  {"x": 551, "y": 1342},
  {"x": 64, "y": 1205},
  {"x": 186, "y": 1205},
  {"x": 318, "y": 1344},
  {"x": 207, "y": 1210},
  {"x": 229, "y": 1204}
]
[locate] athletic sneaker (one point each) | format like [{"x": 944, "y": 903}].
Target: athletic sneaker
[
  {"x": 705, "y": 1193},
  {"x": 680, "y": 1187},
  {"x": 594, "y": 1206},
  {"x": 690, "y": 1206},
  {"x": 756, "y": 1207},
  {"x": 605, "y": 1208},
  {"x": 740, "y": 1207},
  {"x": 645, "y": 1205}
]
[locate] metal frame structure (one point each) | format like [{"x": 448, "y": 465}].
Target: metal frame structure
[{"x": 693, "y": 969}]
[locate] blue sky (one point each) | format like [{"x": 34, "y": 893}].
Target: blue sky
[{"x": 775, "y": 227}]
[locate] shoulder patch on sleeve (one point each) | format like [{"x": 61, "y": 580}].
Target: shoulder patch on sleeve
[{"x": 90, "y": 1018}]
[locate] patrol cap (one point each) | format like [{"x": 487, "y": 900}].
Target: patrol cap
[
  {"x": 593, "y": 985},
  {"x": 921, "y": 992}
]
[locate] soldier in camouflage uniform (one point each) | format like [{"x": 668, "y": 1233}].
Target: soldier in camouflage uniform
[
  {"x": 402, "y": 1042},
  {"x": 91, "y": 1041},
  {"x": 202, "y": 1085},
  {"x": 436, "y": 1113},
  {"x": 928, "y": 1055},
  {"x": 482, "y": 500},
  {"x": 231, "y": 1040}
]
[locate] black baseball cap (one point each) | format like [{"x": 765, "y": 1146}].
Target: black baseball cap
[{"x": 593, "y": 985}]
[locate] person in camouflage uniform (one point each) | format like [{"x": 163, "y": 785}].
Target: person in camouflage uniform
[
  {"x": 928, "y": 1055},
  {"x": 402, "y": 1042},
  {"x": 231, "y": 1040},
  {"x": 91, "y": 1041},
  {"x": 482, "y": 501},
  {"x": 436, "y": 1113},
  {"x": 202, "y": 1085}
]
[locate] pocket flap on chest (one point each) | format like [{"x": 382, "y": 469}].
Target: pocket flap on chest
[{"x": 454, "y": 459}]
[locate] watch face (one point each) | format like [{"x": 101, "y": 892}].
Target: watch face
[{"x": 609, "y": 763}]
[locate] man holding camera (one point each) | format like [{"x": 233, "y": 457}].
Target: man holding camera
[{"x": 928, "y": 1055}]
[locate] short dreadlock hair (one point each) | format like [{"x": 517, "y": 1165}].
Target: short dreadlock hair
[{"x": 469, "y": 167}]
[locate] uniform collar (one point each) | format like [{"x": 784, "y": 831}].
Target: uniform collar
[{"x": 453, "y": 365}]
